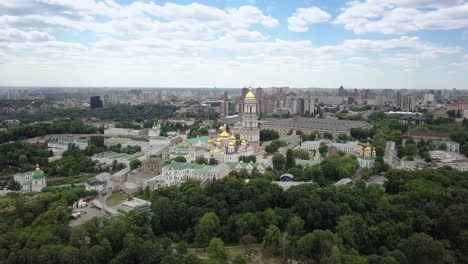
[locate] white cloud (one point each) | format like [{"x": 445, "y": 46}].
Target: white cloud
[
  {"x": 300, "y": 20},
  {"x": 147, "y": 44},
  {"x": 138, "y": 18},
  {"x": 15, "y": 35},
  {"x": 402, "y": 16}
]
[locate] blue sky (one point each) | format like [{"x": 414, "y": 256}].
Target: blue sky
[{"x": 214, "y": 43}]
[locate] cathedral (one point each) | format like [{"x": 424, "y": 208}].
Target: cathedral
[{"x": 225, "y": 147}]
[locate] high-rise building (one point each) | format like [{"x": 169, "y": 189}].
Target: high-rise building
[
  {"x": 405, "y": 101},
  {"x": 428, "y": 98},
  {"x": 95, "y": 102},
  {"x": 341, "y": 92},
  {"x": 225, "y": 105}
]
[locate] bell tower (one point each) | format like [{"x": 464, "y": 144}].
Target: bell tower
[{"x": 250, "y": 130}]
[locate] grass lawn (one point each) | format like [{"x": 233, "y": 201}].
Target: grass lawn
[
  {"x": 234, "y": 251},
  {"x": 68, "y": 180},
  {"x": 116, "y": 198}
]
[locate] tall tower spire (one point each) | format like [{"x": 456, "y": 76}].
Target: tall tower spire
[{"x": 250, "y": 130}]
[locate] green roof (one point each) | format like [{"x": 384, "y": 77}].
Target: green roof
[
  {"x": 179, "y": 153},
  {"x": 233, "y": 165},
  {"x": 116, "y": 140},
  {"x": 182, "y": 147},
  {"x": 202, "y": 139},
  {"x": 38, "y": 174},
  {"x": 191, "y": 166}
]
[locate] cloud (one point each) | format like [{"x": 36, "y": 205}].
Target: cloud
[
  {"x": 15, "y": 35},
  {"x": 137, "y": 18},
  {"x": 150, "y": 44},
  {"x": 303, "y": 17},
  {"x": 403, "y": 16}
]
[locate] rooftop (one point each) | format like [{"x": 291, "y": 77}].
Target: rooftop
[
  {"x": 330, "y": 125},
  {"x": 196, "y": 140},
  {"x": 174, "y": 165}
]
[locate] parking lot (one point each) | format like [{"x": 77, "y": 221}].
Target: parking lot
[{"x": 87, "y": 213}]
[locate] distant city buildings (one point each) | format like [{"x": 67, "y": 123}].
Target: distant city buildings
[
  {"x": 95, "y": 102},
  {"x": 309, "y": 125}
]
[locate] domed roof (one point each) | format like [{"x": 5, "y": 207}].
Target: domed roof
[
  {"x": 217, "y": 150},
  {"x": 243, "y": 141},
  {"x": 209, "y": 141},
  {"x": 232, "y": 143},
  {"x": 250, "y": 94},
  {"x": 218, "y": 140},
  {"x": 232, "y": 137},
  {"x": 224, "y": 134},
  {"x": 38, "y": 173}
]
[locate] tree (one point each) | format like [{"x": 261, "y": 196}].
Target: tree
[
  {"x": 247, "y": 159},
  {"x": 181, "y": 248},
  {"x": 134, "y": 164},
  {"x": 339, "y": 167},
  {"x": 343, "y": 137},
  {"x": 318, "y": 246},
  {"x": 268, "y": 135},
  {"x": 297, "y": 172},
  {"x": 208, "y": 227},
  {"x": 216, "y": 250},
  {"x": 275, "y": 145},
  {"x": 295, "y": 227},
  {"x": 239, "y": 260},
  {"x": 213, "y": 161},
  {"x": 464, "y": 149},
  {"x": 201, "y": 160},
  {"x": 452, "y": 113},
  {"x": 353, "y": 231},
  {"x": 328, "y": 135},
  {"x": 279, "y": 162},
  {"x": 13, "y": 185},
  {"x": 290, "y": 160},
  {"x": 301, "y": 154},
  {"x": 247, "y": 223},
  {"x": 323, "y": 148},
  {"x": 272, "y": 238},
  {"x": 180, "y": 159},
  {"x": 421, "y": 248}
]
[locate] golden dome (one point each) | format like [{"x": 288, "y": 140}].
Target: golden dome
[
  {"x": 218, "y": 140},
  {"x": 209, "y": 141},
  {"x": 37, "y": 167},
  {"x": 222, "y": 128},
  {"x": 250, "y": 94},
  {"x": 232, "y": 137},
  {"x": 224, "y": 134},
  {"x": 217, "y": 150},
  {"x": 232, "y": 143},
  {"x": 243, "y": 141}
]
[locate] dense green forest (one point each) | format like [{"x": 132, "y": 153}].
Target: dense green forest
[
  {"x": 42, "y": 129},
  {"x": 421, "y": 218},
  {"x": 17, "y": 157},
  {"x": 113, "y": 112}
]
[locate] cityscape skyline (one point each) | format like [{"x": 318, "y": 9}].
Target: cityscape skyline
[{"x": 358, "y": 44}]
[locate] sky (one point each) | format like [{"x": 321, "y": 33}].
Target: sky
[{"x": 414, "y": 44}]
